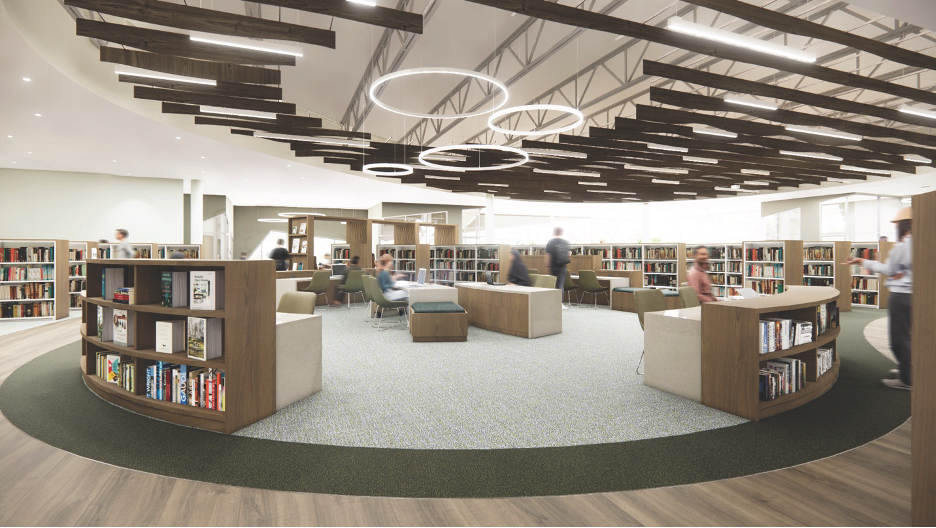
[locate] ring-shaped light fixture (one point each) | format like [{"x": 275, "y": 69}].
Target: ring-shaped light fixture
[
  {"x": 439, "y": 70},
  {"x": 273, "y": 220},
  {"x": 580, "y": 118},
  {"x": 396, "y": 169},
  {"x": 448, "y": 148},
  {"x": 291, "y": 214}
]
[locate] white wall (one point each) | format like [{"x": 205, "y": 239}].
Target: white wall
[{"x": 83, "y": 206}]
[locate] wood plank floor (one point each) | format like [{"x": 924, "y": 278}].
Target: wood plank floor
[{"x": 41, "y": 485}]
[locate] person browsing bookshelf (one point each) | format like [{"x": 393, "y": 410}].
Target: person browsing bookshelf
[
  {"x": 280, "y": 255},
  {"x": 387, "y": 281},
  {"x": 123, "y": 250},
  {"x": 698, "y": 276},
  {"x": 899, "y": 270}
]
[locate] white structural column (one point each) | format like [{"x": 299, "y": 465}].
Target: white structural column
[
  {"x": 196, "y": 213},
  {"x": 489, "y": 220}
]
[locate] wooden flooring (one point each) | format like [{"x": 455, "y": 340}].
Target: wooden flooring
[{"x": 41, "y": 485}]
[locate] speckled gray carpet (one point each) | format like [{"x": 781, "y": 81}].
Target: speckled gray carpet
[{"x": 493, "y": 391}]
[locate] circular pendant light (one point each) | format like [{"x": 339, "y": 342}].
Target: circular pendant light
[
  {"x": 298, "y": 213},
  {"x": 396, "y": 169},
  {"x": 273, "y": 220},
  {"x": 450, "y": 148},
  {"x": 433, "y": 70},
  {"x": 579, "y": 119}
]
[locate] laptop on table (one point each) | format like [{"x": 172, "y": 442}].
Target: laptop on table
[{"x": 489, "y": 275}]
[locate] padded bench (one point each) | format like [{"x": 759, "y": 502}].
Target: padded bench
[
  {"x": 438, "y": 321},
  {"x": 622, "y": 299}
]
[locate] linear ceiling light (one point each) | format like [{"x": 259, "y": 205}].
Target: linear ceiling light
[
  {"x": 136, "y": 72},
  {"x": 756, "y": 172},
  {"x": 710, "y": 161},
  {"x": 837, "y": 180},
  {"x": 814, "y": 155},
  {"x": 664, "y": 170},
  {"x": 916, "y": 158},
  {"x": 600, "y": 184},
  {"x": 556, "y": 153},
  {"x": 364, "y": 2},
  {"x": 272, "y": 220},
  {"x": 433, "y": 177},
  {"x": 323, "y": 141},
  {"x": 608, "y": 191},
  {"x": 686, "y": 193},
  {"x": 568, "y": 173},
  {"x": 755, "y": 182},
  {"x": 917, "y": 111},
  {"x": 299, "y": 213},
  {"x": 742, "y": 41},
  {"x": 235, "y": 112},
  {"x": 823, "y": 132},
  {"x": 667, "y": 182},
  {"x": 656, "y": 146},
  {"x": 863, "y": 169},
  {"x": 748, "y": 101},
  {"x": 555, "y": 192},
  {"x": 713, "y": 132},
  {"x": 235, "y": 42},
  {"x": 735, "y": 188},
  {"x": 494, "y": 185}
]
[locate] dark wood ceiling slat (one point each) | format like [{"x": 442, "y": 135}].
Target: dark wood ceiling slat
[
  {"x": 255, "y": 91},
  {"x": 207, "y": 20},
  {"x": 572, "y": 16},
  {"x": 280, "y": 128},
  {"x": 373, "y": 15},
  {"x": 177, "y": 96},
  {"x": 790, "y": 24},
  {"x": 175, "y": 44},
  {"x": 734, "y": 84},
  {"x": 715, "y": 104},
  {"x": 199, "y": 69}
]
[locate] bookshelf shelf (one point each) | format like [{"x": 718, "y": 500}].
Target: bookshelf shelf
[
  {"x": 19, "y": 260},
  {"x": 862, "y": 295},
  {"x": 811, "y": 391},
  {"x": 783, "y": 259},
  {"x": 248, "y": 336},
  {"x": 824, "y": 339},
  {"x": 191, "y": 251}
]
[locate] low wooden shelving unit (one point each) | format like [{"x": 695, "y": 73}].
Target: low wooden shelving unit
[
  {"x": 249, "y": 340},
  {"x": 731, "y": 345}
]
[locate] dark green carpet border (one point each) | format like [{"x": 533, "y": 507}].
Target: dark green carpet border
[{"x": 47, "y": 399}]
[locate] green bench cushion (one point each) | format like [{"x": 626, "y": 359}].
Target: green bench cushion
[
  {"x": 437, "y": 307},
  {"x": 626, "y": 289},
  {"x": 670, "y": 293}
]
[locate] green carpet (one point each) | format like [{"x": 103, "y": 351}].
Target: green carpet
[{"x": 47, "y": 399}]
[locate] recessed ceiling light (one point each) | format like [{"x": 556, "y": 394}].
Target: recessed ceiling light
[
  {"x": 666, "y": 147},
  {"x": 14, "y": 163},
  {"x": 9, "y": 136},
  {"x": 742, "y": 41},
  {"x": 288, "y": 166},
  {"x": 202, "y": 157},
  {"x": 38, "y": 115},
  {"x": 115, "y": 161},
  {"x": 27, "y": 79},
  {"x": 748, "y": 101},
  {"x": 29, "y": 153},
  {"x": 202, "y": 172},
  {"x": 823, "y": 132},
  {"x": 815, "y": 155},
  {"x": 178, "y": 137}
]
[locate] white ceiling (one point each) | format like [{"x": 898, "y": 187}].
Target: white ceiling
[{"x": 89, "y": 119}]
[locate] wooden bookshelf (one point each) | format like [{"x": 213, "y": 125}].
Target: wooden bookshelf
[
  {"x": 300, "y": 231},
  {"x": 923, "y": 432},
  {"x": 249, "y": 340},
  {"x": 340, "y": 253},
  {"x": 408, "y": 258},
  {"x": 442, "y": 264},
  {"x": 191, "y": 251},
  {"x": 869, "y": 290},
  {"x": 627, "y": 257},
  {"x": 822, "y": 266},
  {"x": 141, "y": 250},
  {"x": 663, "y": 265},
  {"x": 54, "y": 272},
  {"x": 775, "y": 274},
  {"x": 78, "y": 255},
  {"x": 731, "y": 346}
]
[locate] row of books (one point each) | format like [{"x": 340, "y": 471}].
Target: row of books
[
  {"x": 77, "y": 254},
  {"x": 199, "y": 290},
  {"x": 866, "y": 298},
  {"x": 825, "y": 270},
  {"x": 603, "y": 253},
  {"x": 781, "y": 334},
  {"x": 818, "y": 281},
  {"x": 198, "y": 387},
  {"x": 200, "y": 338},
  {"x": 660, "y": 280},
  {"x": 765, "y": 287},
  {"x": 860, "y": 283},
  {"x": 112, "y": 370},
  {"x": 77, "y": 270},
  {"x": 629, "y": 253},
  {"x": 827, "y": 316},
  {"x": 442, "y": 253},
  {"x": 441, "y": 264},
  {"x": 717, "y": 278},
  {"x": 27, "y": 309},
  {"x": 74, "y": 301},
  {"x": 818, "y": 253},
  {"x": 660, "y": 267},
  {"x": 36, "y": 290},
  {"x": 865, "y": 253},
  {"x": 488, "y": 253},
  {"x": 780, "y": 377},
  {"x": 341, "y": 254},
  {"x": 399, "y": 253},
  {"x": 734, "y": 267},
  {"x": 765, "y": 253},
  {"x": 300, "y": 245},
  {"x": 191, "y": 253},
  {"x": 824, "y": 361},
  {"x": 661, "y": 253},
  {"x": 734, "y": 280},
  {"x": 627, "y": 266},
  {"x": 299, "y": 229},
  {"x": 28, "y": 254},
  {"x": 768, "y": 271},
  {"x": 31, "y": 273}
]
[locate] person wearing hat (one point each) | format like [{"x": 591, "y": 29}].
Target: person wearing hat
[{"x": 899, "y": 271}]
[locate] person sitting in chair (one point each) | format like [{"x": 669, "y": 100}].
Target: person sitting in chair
[{"x": 387, "y": 281}]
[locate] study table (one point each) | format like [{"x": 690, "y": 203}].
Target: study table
[{"x": 515, "y": 310}]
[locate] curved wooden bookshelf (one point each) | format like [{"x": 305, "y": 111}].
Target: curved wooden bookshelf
[
  {"x": 249, "y": 340},
  {"x": 731, "y": 357}
]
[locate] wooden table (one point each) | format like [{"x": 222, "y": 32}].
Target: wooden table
[{"x": 515, "y": 310}]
